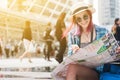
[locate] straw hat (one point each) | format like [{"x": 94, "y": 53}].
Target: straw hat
[{"x": 81, "y": 6}]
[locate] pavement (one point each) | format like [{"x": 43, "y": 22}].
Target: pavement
[
  {"x": 15, "y": 69},
  {"x": 36, "y": 62}
]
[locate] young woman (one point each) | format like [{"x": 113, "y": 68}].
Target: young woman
[
  {"x": 27, "y": 41},
  {"x": 81, "y": 33}
]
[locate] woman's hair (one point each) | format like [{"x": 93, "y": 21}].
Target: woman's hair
[
  {"x": 116, "y": 20},
  {"x": 27, "y": 24}
]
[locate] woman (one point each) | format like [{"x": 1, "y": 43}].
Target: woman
[
  {"x": 116, "y": 29},
  {"x": 81, "y": 33},
  {"x": 59, "y": 29},
  {"x": 27, "y": 41}
]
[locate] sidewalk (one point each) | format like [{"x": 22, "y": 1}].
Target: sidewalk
[
  {"x": 14, "y": 69},
  {"x": 36, "y": 62}
]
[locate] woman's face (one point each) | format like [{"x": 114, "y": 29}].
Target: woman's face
[{"x": 83, "y": 19}]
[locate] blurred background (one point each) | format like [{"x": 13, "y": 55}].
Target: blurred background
[{"x": 14, "y": 12}]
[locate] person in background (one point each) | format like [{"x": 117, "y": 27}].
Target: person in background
[
  {"x": 116, "y": 29},
  {"x": 1, "y": 47},
  {"x": 82, "y": 32},
  {"x": 59, "y": 29},
  {"x": 8, "y": 48},
  {"x": 27, "y": 41},
  {"x": 48, "y": 41}
]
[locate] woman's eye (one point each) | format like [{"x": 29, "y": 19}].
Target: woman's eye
[
  {"x": 78, "y": 19},
  {"x": 85, "y": 17}
]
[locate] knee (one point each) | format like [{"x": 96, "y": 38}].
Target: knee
[
  {"x": 71, "y": 71},
  {"x": 72, "y": 67},
  {"x": 76, "y": 68}
]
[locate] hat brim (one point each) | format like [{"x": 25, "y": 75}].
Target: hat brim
[{"x": 92, "y": 10}]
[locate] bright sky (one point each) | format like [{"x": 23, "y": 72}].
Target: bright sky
[{"x": 3, "y": 3}]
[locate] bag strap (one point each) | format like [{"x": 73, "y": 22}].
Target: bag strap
[{"x": 91, "y": 39}]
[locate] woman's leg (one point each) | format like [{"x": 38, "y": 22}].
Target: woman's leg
[
  {"x": 29, "y": 56},
  {"x": 23, "y": 55},
  {"x": 26, "y": 46},
  {"x": 79, "y": 72}
]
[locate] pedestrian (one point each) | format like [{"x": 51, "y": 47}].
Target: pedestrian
[
  {"x": 48, "y": 39},
  {"x": 27, "y": 41},
  {"x": 59, "y": 30}
]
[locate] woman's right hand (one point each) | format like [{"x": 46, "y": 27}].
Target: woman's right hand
[{"x": 75, "y": 48}]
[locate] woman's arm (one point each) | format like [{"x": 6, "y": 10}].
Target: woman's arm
[{"x": 70, "y": 42}]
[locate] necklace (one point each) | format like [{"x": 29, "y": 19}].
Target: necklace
[{"x": 85, "y": 37}]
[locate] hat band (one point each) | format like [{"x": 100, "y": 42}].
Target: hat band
[{"x": 79, "y": 9}]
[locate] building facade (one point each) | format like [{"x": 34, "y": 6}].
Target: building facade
[{"x": 108, "y": 10}]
